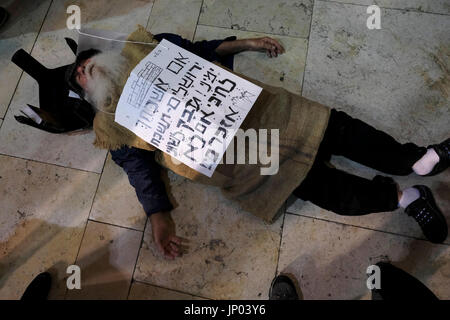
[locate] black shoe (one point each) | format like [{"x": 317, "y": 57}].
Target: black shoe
[
  {"x": 443, "y": 151},
  {"x": 39, "y": 288},
  {"x": 283, "y": 288},
  {"x": 4, "y": 15},
  {"x": 428, "y": 215},
  {"x": 397, "y": 284}
]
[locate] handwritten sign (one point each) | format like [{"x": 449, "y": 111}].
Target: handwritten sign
[{"x": 185, "y": 106}]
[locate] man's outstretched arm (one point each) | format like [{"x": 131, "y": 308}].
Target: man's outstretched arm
[
  {"x": 223, "y": 50},
  {"x": 269, "y": 45},
  {"x": 144, "y": 175}
]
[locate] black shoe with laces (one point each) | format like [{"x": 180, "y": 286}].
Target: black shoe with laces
[
  {"x": 283, "y": 288},
  {"x": 428, "y": 215},
  {"x": 443, "y": 151}
]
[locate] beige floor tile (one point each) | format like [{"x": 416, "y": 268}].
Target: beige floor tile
[
  {"x": 395, "y": 78},
  {"x": 52, "y": 51},
  {"x": 396, "y": 222},
  {"x": 107, "y": 257},
  {"x": 20, "y": 32},
  {"x": 44, "y": 209},
  {"x": 435, "y": 6},
  {"x": 286, "y": 70},
  {"x": 330, "y": 260},
  {"x": 116, "y": 15},
  {"x": 286, "y": 17},
  {"x": 179, "y": 17},
  {"x": 115, "y": 201},
  {"x": 232, "y": 255},
  {"x": 142, "y": 291}
]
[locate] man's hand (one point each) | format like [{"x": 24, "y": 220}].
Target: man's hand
[
  {"x": 163, "y": 229},
  {"x": 269, "y": 45}
]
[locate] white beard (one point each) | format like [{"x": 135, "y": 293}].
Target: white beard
[{"x": 106, "y": 74}]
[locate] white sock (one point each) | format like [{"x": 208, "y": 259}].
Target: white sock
[
  {"x": 425, "y": 164},
  {"x": 408, "y": 196}
]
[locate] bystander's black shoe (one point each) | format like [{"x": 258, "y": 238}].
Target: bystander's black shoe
[
  {"x": 430, "y": 218},
  {"x": 4, "y": 15},
  {"x": 283, "y": 288},
  {"x": 397, "y": 284},
  {"x": 443, "y": 151},
  {"x": 39, "y": 288}
]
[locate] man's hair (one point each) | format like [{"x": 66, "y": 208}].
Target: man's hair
[{"x": 72, "y": 69}]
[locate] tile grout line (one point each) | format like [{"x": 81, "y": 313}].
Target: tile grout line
[
  {"x": 174, "y": 290},
  {"x": 269, "y": 33},
  {"x": 115, "y": 225},
  {"x": 198, "y": 19},
  {"x": 387, "y": 8},
  {"x": 149, "y": 14},
  {"x": 31, "y": 50},
  {"x": 366, "y": 228},
  {"x": 137, "y": 258},
  {"x": 307, "y": 49},
  {"x": 51, "y": 164},
  {"x": 87, "y": 221},
  {"x": 281, "y": 240}
]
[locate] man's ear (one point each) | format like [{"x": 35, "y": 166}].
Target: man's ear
[{"x": 72, "y": 45}]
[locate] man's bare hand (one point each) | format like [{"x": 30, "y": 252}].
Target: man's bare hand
[
  {"x": 269, "y": 45},
  {"x": 163, "y": 229}
]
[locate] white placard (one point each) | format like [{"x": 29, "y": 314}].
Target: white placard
[{"x": 185, "y": 106}]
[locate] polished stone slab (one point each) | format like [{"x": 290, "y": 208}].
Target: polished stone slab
[
  {"x": 44, "y": 211},
  {"x": 395, "y": 78},
  {"x": 107, "y": 258},
  {"x": 142, "y": 291},
  {"x": 179, "y": 17},
  {"x": 435, "y": 6},
  {"x": 115, "y": 201},
  {"x": 20, "y": 32},
  {"x": 330, "y": 260},
  {"x": 286, "y": 17}
]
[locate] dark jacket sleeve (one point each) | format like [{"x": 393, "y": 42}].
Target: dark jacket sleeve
[
  {"x": 205, "y": 49},
  {"x": 144, "y": 174}
]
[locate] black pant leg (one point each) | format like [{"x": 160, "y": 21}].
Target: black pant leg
[
  {"x": 347, "y": 194},
  {"x": 360, "y": 142}
]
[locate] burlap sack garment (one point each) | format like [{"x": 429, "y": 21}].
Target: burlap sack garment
[{"x": 301, "y": 125}]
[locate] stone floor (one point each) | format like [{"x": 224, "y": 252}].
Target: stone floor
[{"x": 64, "y": 202}]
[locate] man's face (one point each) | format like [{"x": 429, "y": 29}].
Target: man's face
[
  {"x": 81, "y": 74},
  {"x": 101, "y": 78}
]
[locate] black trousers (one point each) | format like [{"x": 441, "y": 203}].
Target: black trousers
[{"x": 348, "y": 194}]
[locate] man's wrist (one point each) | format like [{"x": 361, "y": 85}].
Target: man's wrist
[{"x": 157, "y": 216}]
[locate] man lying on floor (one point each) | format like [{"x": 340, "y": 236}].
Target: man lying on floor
[{"x": 310, "y": 134}]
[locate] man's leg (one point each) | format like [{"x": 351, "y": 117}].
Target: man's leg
[
  {"x": 360, "y": 142},
  {"x": 347, "y": 194}
]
